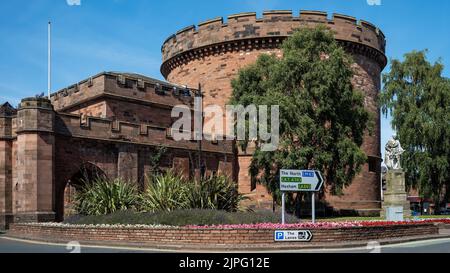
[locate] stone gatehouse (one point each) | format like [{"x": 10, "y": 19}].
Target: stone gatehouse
[{"x": 113, "y": 123}]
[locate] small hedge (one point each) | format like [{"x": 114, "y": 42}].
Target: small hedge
[{"x": 182, "y": 218}]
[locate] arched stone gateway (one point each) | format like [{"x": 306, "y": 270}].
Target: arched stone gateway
[{"x": 87, "y": 173}]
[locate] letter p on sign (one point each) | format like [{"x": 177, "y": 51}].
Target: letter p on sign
[{"x": 280, "y": 235}]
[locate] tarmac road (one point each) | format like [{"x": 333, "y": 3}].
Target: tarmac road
[
  {"x": 8, "y": 245},
  {"x": 429, "y": 246}
]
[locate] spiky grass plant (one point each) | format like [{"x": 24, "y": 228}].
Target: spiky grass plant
[
  {"x": 165, "y": 192},
  {"x": 103, "y": 196},
  {"x": 215, "y": 192}
]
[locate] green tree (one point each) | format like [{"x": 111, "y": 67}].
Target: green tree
[
  {"x": 322, "y": 116},
  {"x": 418, "y": 97}
]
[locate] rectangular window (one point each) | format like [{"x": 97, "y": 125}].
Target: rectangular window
[{"x": 373, "y": 164}]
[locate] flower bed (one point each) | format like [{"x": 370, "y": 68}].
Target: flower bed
[
  {"x": 118, "y": 226},
  {"x": 323, "y": 225}
]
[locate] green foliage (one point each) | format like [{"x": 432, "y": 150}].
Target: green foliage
[
  {"x": 168, "y": 192},
  {"x": 165, "y": 192},
  {"x": 183, "y": 218},
  {"x": 218, "y": 193},
  {"x": 418, "y": 97},
  {"x": 322, "y": 117},
  {"x": 103, "y": 196},
  {"x": 155, "y": 160}
]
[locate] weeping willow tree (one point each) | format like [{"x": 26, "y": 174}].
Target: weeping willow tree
[{"x": 418, "y": 97}]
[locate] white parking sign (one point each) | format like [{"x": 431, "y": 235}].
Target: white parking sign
[{"x": 293, "y": 236}]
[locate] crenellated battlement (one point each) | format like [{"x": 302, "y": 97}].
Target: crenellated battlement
[
  {"x": 35, "y": 102},
  {"x": 246, "y": 30},
  {"x": 124, "y": 85},
  {"x": 134, "y": 133},
  {"x": 35, "y": 115}
]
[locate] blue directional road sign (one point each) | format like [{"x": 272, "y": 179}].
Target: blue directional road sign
[{"x": 300, "y": 180}]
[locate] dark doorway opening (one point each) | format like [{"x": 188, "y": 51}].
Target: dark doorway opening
[{"x": 87, "y": 173}]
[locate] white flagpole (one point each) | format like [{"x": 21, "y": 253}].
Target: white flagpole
[{"x": 49, "y": 60}]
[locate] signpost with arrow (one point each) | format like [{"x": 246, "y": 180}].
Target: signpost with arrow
[
  {"x": 293, "y": 236},
  {"x": 300, "y": 181}
]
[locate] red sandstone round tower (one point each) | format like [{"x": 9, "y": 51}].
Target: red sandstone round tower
[{"x": 212, "y": 54}]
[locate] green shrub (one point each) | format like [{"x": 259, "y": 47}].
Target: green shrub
[
  {"x": 218, "y": 193},
  {"x": 183, "y": 218},
  {"x": 168, "y": 192},
  {"x": 165, "y": 192},
  {"x": 104, "y": 196}
]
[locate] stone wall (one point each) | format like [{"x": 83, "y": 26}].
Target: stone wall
[
  {"x": 129, "y": 161},
  {"x": 204, "y": 238},
  {"x": 273, "y": 24},
  {"x": 5, "y": 180},
  {"x": 130, "y": 87}
]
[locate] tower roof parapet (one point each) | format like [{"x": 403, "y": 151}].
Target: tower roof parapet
[
  {"x": 36, "y": 102},
  {"x": 216, "y": 34},
  {"x": 126, "y": 86}
]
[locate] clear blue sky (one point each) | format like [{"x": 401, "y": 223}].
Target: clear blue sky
[{"x": 126, "y": 35}]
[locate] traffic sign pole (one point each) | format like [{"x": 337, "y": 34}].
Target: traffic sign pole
[
  {"x": 283, "y": 208},
  {"x": 300, "y": 181},
  {"x": 313, "y": 207}
]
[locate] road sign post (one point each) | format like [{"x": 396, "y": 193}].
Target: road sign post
[
  {"x": 283, "y": 215},
  {"x": 313, "y": 207},
  {"x": 300, "y": 181}
]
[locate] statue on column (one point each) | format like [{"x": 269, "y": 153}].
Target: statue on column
[
  {"x": 396, "y": 206},
  {"x": 393, "y": 155}
]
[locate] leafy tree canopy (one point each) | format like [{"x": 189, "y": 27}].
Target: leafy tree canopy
[
  {"x": 322, "y": 116},
  {"x": 418, "y": 97}
]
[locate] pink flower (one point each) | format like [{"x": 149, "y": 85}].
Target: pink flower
[{"x": 320, "y": 225}]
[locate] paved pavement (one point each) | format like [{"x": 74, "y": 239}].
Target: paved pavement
[{"x": 8, "y": 245}]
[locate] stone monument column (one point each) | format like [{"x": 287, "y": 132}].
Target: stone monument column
[{"x": 395, "y": 195}]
